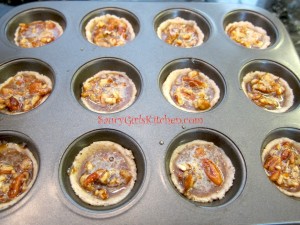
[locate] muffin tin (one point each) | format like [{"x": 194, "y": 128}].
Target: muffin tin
[{"x": 151, "y": 127}]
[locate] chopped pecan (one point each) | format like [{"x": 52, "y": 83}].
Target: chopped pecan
[
  {"x": 184, "y": 166},
  {"x": 279, "y": 90},
  {"x": 102, "y": 193},
  {"x": 89, "y": 166},
  {"x": 104, "y": 177},
  {"x": 13, "y": 104},
  {"x": 267, "y": 101},
  {"x": 260, "y": 87},
  {"x": 103, "y": 82},
  {"x": 113, "y": 182},
  {"x": 285, "y": 154},
  {"x": 255, "y": 96},
  {"x": 193, "y": 73},
  {"x": 125, "y": 175},
  {"x": 6, "y": 169},
  {"x": 189, "y": 182},
  {"x": 15, "y": 187},
  {"x": 186, "y": 36},
  {"x": 275, "y": 175},
  {"x": 26, "y": 164},
  {"x": 199, "y": 152},
  {"x": 197, "y": 83},
  {"x": 110, "y": 101},
  {"x": 7, "y": 91},
  {"x": 202, "y": 104},
  {"x": 272, "y": 162},
  {"x": 50, "y": 25},
  {"x": 292, "y": 158},
  {"x": 93, "y": 177},
  {"x": 178, "y": 99}
]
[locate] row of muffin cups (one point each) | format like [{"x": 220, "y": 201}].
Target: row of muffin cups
[
  {"x": 91, "y": 68},
  {"x": 105, "y": 134},
  {"x": 42, "y": 14}
]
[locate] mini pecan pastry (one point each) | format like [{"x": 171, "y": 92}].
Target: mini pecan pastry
[
  {"x": 180, "y": 33},
  {"x": 23, "y": 92},
  {"x": 201, "y": 171},
  {"x": 18, "y": 171},
  {"x": 108, "y": 91},
  {"x": 103, "y": 173},
  {"x": 281, "y": 161},
  {"x": 109, "y": 31},
  {"x": 268, "y": 91},
  {"x": 248, "y": 35},
  {"x": 37, "y": 33},
  {"x": 191, "y": 90}
]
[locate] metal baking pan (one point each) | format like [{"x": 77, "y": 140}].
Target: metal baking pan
[{"x": 151, "y": 127}]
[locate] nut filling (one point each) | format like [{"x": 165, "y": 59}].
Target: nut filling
[
  {"x": 103, "y": 173},
  {"x": 268, "y": 91},
  {"x": 37, "y": 33},
  {"x": 109, "y": 31},
  {"x": 201, "y": 171},
  {"x": 281, "y": 161},
  {"x": 23, "y": 92},
  {"x": 248, "y": 35},
  {"x": 180, "y": 33},
  {"x": 108, "y": 91},
  {"x": 18, "y": 170},
  {"x": 191, "y": 90}
]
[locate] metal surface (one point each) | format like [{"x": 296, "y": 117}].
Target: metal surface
[{"x": 151, "y": 126}]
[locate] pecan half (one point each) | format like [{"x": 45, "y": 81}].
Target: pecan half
[{"x": 212, "y": 172}]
